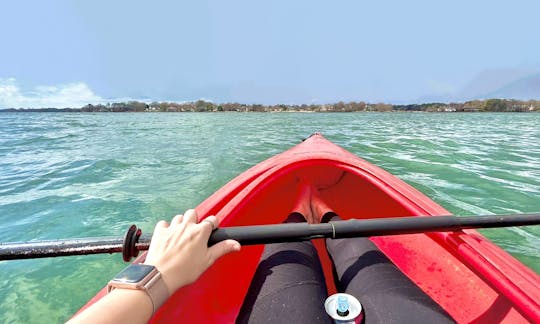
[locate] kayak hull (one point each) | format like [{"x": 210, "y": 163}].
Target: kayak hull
[{"x": 470, "y": 277}]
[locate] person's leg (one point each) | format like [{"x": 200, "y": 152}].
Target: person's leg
[
  {"x": 288, "y": 285},
  {"x": 386, "y": 294}
]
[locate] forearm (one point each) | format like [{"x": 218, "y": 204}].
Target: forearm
[{"x": 119, "y": 306}]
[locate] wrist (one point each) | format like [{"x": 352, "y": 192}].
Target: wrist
[
  {"x": 172, "y": 277},
  {"x": 138, "y": 297}
]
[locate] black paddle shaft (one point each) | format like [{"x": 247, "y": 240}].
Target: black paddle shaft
[
  {"x": 294, "y": 232},
  {"x": 133, "y": 241}
]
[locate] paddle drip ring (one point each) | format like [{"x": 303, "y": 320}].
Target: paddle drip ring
[{"x": 129, "y": 248}]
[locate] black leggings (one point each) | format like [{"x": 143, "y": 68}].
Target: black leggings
[{"x": 289, "y": 286}]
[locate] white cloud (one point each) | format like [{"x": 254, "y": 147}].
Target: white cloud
[{"x": 67, "y": 95}]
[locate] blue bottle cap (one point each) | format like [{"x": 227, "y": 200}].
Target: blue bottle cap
[{"x": 342, "y": 306}]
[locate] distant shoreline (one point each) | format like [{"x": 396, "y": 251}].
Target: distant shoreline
[{"x": 489, "y": 105}]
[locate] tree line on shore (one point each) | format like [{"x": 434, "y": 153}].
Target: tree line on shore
[{"x": 489, "y": 105}]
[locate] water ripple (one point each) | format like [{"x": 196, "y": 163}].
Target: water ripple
[{"x": 68, "y": 175}]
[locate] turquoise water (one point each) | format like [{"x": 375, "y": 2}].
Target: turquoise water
[{"x": 80, "y": 175}]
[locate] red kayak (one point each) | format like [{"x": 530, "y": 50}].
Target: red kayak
[{"x": 465, "y": 273}]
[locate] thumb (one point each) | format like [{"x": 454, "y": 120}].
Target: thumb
[{"x": 224, "y": 247}]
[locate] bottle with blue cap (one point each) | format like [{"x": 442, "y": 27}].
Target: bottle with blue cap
[{"x": 343, "y": 309}]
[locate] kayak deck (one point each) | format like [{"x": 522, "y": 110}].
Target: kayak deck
[{"x": 470, "y": 277}]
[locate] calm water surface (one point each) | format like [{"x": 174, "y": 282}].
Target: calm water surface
[{"x": 73, "y": 175}]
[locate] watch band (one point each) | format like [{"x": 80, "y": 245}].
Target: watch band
[{"x": 157, "y": 290}]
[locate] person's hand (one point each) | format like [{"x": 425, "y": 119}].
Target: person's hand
[{"x": 180, "y": 250}]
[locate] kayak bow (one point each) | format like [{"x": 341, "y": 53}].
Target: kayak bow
[{"x": 470, "y": 277}]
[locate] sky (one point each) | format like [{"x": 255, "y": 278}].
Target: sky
[{"x": 70, "y": 53}]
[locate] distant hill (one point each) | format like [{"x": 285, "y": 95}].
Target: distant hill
[
  {"x": 522, "y": 89},
  {"x": 519, "y": 84}
]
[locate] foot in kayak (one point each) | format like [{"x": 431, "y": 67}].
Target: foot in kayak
[
  {"x": 302, "y": 205},
  {"x": 322, "y": 213}
]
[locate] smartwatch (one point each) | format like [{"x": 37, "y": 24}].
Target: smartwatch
[{"x": 142, "y": 277}]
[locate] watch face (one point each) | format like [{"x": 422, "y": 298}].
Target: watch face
[{"x": 134, "y": 273}]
